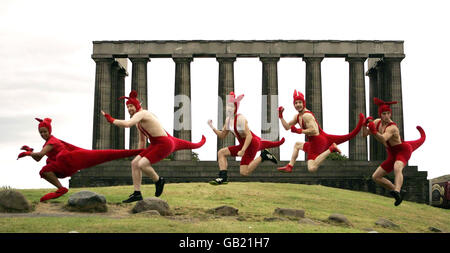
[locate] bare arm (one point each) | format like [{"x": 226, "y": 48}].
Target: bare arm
[
  {"x": 220, "y": 133},
  {"x": 131, "y": 122},
  {"x": 311, "y": 125},
  {"x": 287, "y": 125},
  {"x": 37, "y": 156}
]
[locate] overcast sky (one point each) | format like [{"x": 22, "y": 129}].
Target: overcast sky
[{"x": 47, "y": 71}]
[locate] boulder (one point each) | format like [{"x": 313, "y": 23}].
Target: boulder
[
  {"x": 297, "y": 213},
  {"x": 434, "y": 229},
  {"x": 12, "y": 201},
  {"x": 152, "y": 203},
  {"x": 386, "y": 223},
  {"x": 87, "y": 201},
  {"x": 224, "y": 211},
  {"x": 340, "y": 219}
]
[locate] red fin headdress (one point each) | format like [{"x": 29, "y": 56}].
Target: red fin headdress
[
  {"x": 236, "y": 100},
  {"x": 299, "y": 96},
  {"x": 132, "y": 99},
  {"x": 47, "y": 123},
  {"x": 383, "y": 106}
]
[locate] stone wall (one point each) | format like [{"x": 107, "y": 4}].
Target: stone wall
[{"x": 351, "y": 175}]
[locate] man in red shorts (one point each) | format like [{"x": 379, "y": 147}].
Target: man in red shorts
[
  {"x": 161, "y": 145},
  {"x": 249, "y": 143},
  {"x": 319, "y": 144},
  {"x": 399, "y": 151},
  {"x": 64, "y": 159}
]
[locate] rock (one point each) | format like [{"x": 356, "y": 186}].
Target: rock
[
  {"x": 307, "y": 221},
  {"x": 434, "y": 229},
  {"x": 224, "y": 211},
  {"x": 386, "y": 223},
  {"x": 290, "y": 212},
  {"x": 87, "y": 201},
  {"x": 339, "y": 218},
  {"x": 12, "y": 201},
  {"x": 152, "y": 203}
]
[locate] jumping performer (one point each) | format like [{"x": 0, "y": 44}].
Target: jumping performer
[
  {"x": 399, "y": 151},
  {"x": 249, "y": 143},
  {"x": 161, "y": 145},
  {"x": 65, "y": 159},
  {"x": 319, "y": 144}
]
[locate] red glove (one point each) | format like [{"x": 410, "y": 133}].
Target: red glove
[
  {"x": 109, "y": 118},
  {"x": 23, "y": 154},
  {"x": 372, "y": 128},
  {"x": 366, "y": 121},
  {"x": 26, "y": 148},
  {"x": 296, "y": 130},
  {"x": 280, "y": 112}
]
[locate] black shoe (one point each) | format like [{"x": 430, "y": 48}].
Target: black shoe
[
  {"x": 159, "y": 186},
  {"x": 133, "y": 197},
  {"x": 266, "y": 155},
  {"x": 397, "y": 196},
  {"x": 218, "y": 181}
]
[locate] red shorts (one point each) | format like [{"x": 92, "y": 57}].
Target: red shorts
[
  {"x": 160, "y": 147},
  {"x": 401, "y": 152},
  {"x": 250, "y": 152},
  {"x": 315, "y": 146},
  {"x": 61, "y": 167}
]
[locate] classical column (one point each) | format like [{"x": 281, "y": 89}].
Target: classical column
[
  {"x": 118, "y": 106},
  {"x": 393, "y": 82},
  {"x": 373, "y": 110},
  {"x": 139, "y": 84},
  {"x": 226, "y": 85},
  {"x": 313, "y": 91},
  {"x": 270, "y": 129},
  {"x": 101, "y": 138},
  {"x": 379, "y": 91},
  {"x": 182, "y": 104},
  {"x": 357, "y": 100}
]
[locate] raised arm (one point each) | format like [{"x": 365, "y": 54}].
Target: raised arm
[
  {"x": 220, "y": 133},
  {"x": 125, "y": 123}
]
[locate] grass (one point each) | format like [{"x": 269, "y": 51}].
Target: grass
[{"x": 255, "y": 201}]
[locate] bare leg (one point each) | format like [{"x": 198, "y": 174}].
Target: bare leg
[
  {"x": 313, "y": 165},
  {"x": 378, "y": 177},
  {"x": 297, "y": 147},
  {"x": 398, "y": 171},
  {"x": 222, "y": 157},
  {"x": 51, "y": 178},
  {"x": 147, "y": 169},
  {"x": 246, "y": 170},
  {"x": 136, "y": 173}
]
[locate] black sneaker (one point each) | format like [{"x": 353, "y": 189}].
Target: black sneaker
[
  {"x": 266, "y": 155},
  {"x": 159, "y": 186},
  {"x": 133, "y": 197},
  {"x": 218, "y": 181},
  {"x": 403, "y": 193},
  {"x": 397, "y": 196}
]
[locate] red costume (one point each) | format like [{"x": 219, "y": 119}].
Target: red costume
[
  {"x": 65, "y": 159},
  {"x": 161, "y": 146},
  {"x": 256, "y": 144},
  {"x": 401, "y": 152},
  {"x": 316, "y": 145}
]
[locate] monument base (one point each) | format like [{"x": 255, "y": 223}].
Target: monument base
[{"x": 351, "y": 175}]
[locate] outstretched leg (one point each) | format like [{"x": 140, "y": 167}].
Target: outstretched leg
[
  {"x": 288, "y": 168},
  {"x": 246, "y": 170},
  {"x": 398, "y": 172},
  {"x": 147, "y": 169}
]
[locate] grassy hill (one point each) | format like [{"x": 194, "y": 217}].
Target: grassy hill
[{"x": 190, "y": 203}]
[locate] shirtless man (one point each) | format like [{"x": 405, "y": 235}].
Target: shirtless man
[
  {"x": 162, "y": 144},
  {"x": 399, "y": 152},
  {"x": 249, "y": 143},
  {"x": 319, "y": 144}
]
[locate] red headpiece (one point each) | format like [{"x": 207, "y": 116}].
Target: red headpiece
[
  {"x": 47, "y": 123},
  {"x": 383, "y": 106},
  {"x": 232, "y": 99},
  {"x": 299, "y": 96},
  {"x": 132, "y": 99}
]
